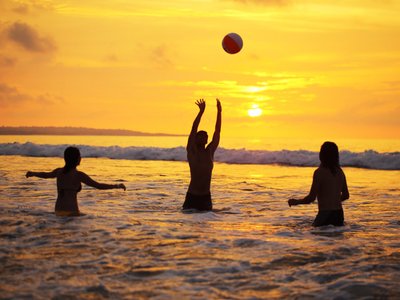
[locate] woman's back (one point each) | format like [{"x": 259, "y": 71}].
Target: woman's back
[
  {"x": 330, "y": 187},
  {"x": 68, "y": 186}
]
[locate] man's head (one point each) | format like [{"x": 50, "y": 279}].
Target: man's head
[{"x": 201, "y": 138}]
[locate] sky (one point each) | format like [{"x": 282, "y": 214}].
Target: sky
[{"x": 308, "y": 69}]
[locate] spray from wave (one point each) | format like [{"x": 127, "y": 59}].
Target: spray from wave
[{"x": 369, "y": 159}]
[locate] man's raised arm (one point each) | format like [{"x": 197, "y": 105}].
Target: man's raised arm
[
  {"x": 215, "y": 141},
  {"x": 202, "y": 106}
]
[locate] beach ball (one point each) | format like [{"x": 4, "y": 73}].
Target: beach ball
[{"x": 232, "y": 43}]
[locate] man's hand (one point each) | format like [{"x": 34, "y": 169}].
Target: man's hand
[
  {"x": 28, "y": 174},
  {"x": 201, "y": 104},
  {"x": 219, "y": 107}
]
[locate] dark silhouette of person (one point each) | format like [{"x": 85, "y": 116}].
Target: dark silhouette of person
[
  {"x": 329, "y": 186},
  {"x": 200, "y": 158},
  {"x": 69, "y": 181}
]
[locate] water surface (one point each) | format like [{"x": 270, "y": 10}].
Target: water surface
[{"x": 138, "y": 244}]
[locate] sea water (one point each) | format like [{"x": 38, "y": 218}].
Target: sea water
[{"x": 138, "y": 244}]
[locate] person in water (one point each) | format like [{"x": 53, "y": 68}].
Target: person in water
[
  {"x": 200, "y": 157},
  {"x": 329, "y": 186},
  {"x": 69, "y": 181}
]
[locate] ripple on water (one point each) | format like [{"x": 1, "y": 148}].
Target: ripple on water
[
  {"x": 354, "y": 289},
  {"x": 298, "y": 259},
  {"x": 99, "y": 290},
  {"x": 139, "y": 246},
  {"x": 246, "y": 243},
  {"x": 145, "y": 271}
]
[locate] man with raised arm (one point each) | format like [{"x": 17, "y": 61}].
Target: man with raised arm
[{"x": 200, "y": 157}]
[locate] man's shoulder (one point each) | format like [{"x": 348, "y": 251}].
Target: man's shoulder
[{"x": 211, "y": 148}]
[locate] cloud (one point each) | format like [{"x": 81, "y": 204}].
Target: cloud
[
  {"x": 31, "y": 6},
  {"x": 111, "y": 58},
  {"x": 6, "y": 61},
  {"x": 376, "y": 110},
  {"x": 10, "y": 96},
  {"x": 160, "y": 56},
  {"x": 28, "y": 38},
  {"x": 22, "y": 9},
  {"x": 256, "y": 91},
  {"x": 392, "y": 85},
  {"x": 48, "y": 99}
]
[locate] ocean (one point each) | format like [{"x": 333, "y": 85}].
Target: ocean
[{"x": 138, "y": 244}]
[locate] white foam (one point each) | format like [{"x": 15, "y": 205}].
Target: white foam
[{"x": 369, "y": 159}]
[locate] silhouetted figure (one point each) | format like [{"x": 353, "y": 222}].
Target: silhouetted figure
[
  {"x": 200, "y": 158},
  {"x": 69, "y": 181},
  {"x": 329, "y": 186}
]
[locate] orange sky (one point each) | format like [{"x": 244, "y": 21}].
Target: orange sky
[{"x": 316, "y": 68}]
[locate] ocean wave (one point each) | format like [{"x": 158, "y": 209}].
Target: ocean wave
[{"x": 369, "y": 159}]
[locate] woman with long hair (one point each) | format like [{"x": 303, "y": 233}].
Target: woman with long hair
[
  {"x": 69, "y": 183},
  {"x": 329, "y": 186}
]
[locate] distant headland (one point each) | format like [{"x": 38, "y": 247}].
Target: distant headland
[{"x": 36, "y": 130}]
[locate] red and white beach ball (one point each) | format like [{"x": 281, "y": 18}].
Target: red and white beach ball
[{"x": 232, "y": 43}]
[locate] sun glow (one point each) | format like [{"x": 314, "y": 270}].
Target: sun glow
[
  {"x": 310, "y": 66},
  {"x": 254, "y": 111}
]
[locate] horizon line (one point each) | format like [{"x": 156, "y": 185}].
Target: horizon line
[{"x": 72, "y": 130}]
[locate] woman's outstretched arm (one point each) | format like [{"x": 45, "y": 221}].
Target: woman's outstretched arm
[
  {"x": 101, "y": 186},
  {"x": 311, "y": 196},
  {"x": 52, "y": 174}
]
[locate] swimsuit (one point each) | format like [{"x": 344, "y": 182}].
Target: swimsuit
[
  {"x": 329, "y": 217},
  {"x": 199, "y": 202}
]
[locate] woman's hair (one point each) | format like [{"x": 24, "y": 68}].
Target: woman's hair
[
  {"x": 329, "y": 156},
  {"x": 72, "y": 158}
]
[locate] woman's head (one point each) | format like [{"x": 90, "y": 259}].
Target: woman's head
[
  {"x": 329, "y": 156},
  {"x": 72, "y": 158}
]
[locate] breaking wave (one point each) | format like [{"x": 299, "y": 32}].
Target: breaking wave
[{"x": 369, "y": 159}]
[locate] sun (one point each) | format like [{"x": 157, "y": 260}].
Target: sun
[{"x": 254, "y": 111}]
